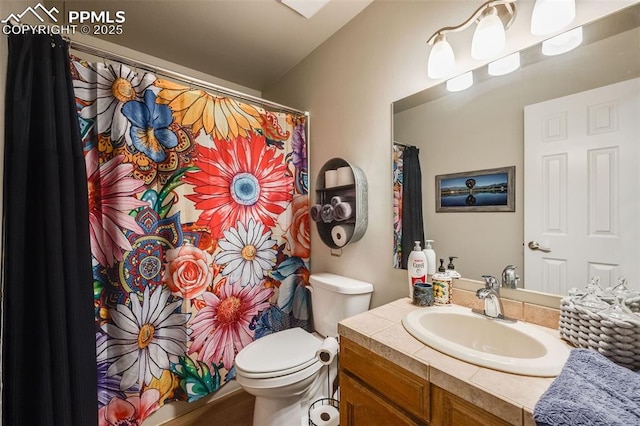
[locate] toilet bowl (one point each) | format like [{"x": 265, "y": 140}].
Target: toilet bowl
[{"x": 282, "y": 369}]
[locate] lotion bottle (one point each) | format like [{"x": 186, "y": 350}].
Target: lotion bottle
[
  {"x": 431, "y": 257},
  {"x": 416, "y": 267}
]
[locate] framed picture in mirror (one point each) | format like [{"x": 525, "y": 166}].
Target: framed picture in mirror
[{"x": 490, "y": 190}]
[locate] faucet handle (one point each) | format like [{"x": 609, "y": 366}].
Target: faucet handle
[
  {"x": 509, "y": 277},
  {"x": 490, "y": 282}
]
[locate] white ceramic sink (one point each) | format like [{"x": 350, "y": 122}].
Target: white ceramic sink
[{"x": 517, "y": 348}]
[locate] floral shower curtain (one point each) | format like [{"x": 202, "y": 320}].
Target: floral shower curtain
[
  {"x": 199, "y": 233},
  {"x": 397, "y": 205}
]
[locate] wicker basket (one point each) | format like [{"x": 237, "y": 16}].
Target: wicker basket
[{"x": 617, "y": 340}]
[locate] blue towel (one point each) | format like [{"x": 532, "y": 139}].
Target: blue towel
[{"x": 590, "y": 390}]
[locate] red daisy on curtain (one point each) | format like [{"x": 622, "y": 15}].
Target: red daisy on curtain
[{"x": 239, "y": 180}]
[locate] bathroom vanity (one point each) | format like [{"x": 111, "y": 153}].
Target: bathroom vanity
[{"x": 388, "y": 377}]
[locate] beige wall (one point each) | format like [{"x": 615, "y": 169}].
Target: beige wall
[{"x": 348, "y": 85}]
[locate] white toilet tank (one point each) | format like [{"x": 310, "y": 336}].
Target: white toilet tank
[{"x": 334, "y": 297}]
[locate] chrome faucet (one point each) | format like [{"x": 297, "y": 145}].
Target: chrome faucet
[
  {"x": 509, "y": 277},
  {"x": 491, "y": 295}
]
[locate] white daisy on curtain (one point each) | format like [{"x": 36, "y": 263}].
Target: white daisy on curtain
[
  {"x": 247, "y": 252},
  {"x": 143, "y": 337},
  {"x": 106, "y": 88}
]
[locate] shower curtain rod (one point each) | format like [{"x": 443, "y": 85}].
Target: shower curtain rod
[
  {"x": 403, "y": 144},
  {"x": 82, "y": 47}
]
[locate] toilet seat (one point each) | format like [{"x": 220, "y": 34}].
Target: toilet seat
[{"x": 278, "y": 354}]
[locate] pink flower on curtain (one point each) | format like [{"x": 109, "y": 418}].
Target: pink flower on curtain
[
  {"x": 221, "y": 328},
  {"x": 131, "y": 412},
  {"x": 188, "y": 272},
  {"x": 111, "y": 198},
  {"x": 237, "y": 181}
]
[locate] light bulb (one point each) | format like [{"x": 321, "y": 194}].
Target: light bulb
[
  {"x": 550, "y": 16},
  {"x": 504, "y": 65},
  {"x": 489, "y": 37},
  {"x": 562, "y": 43},
  {"x": 461, "y": 82},
  {"x": 442, "y": 61}
]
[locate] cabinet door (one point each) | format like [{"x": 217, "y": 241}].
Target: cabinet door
[
  {"x": 450, "y": 410},
  {"x": 360, "y": 407},
  {"x": 393, "y": 383}
]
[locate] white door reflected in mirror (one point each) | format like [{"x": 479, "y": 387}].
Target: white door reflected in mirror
[{"x": 581, "y": 182}]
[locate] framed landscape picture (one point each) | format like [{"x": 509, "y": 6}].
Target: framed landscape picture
[{"x": 491, "y": 190}]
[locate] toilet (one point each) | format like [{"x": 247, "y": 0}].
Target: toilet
[{"x": 282, "y": 370}]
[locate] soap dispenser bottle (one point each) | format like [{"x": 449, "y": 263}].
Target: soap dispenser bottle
[
  {"x": 451, "y": 269},
  {"x": 416, "y": 267},
  {"x": 441, "y": 286},
  {"x": 431, "y": 257}
]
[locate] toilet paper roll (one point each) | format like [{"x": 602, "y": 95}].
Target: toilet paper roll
[
  {"x": 345, "y": 176},
  {"x": 341, "y": 234},
  {"x": 330, "y": 178},
  {"x": 325, "y": 415},
  {"x": 327, "y": 351}
]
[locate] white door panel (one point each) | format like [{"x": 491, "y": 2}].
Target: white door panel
[{"x": 582, "y": 185}]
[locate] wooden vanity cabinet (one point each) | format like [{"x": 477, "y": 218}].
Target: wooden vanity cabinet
[
  {"x": 376, "y": 391},
  {"x": 360, "y": 406}
]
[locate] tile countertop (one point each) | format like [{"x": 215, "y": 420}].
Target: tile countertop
[{"x": 509, "y": 396}]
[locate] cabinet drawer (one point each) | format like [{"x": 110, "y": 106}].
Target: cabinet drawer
[
  {"x": 406, "y": 390},
  {"x": 451, "y": 410}
]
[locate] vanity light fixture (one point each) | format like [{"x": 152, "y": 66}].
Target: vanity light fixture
[
  {"x": 489, "y": 38},
  {"x": 504, "y": 65},
  {"x": 562, "y": 43},
  {"x": 549, "y": 16},
  {"x": 461, "y": 82},
  {"x": 492, "y": 18},
  {"x": 442, "y": 60}
]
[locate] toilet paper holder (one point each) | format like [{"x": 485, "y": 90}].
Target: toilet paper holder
[{"x": 325, "y": 411}]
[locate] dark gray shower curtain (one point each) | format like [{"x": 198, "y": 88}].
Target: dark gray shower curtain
[
  {"x": 49, "y": 359},
  {"x": 412, "y": 221}
]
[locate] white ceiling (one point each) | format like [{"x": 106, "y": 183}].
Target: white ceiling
[{"x": 248, "y": 42}]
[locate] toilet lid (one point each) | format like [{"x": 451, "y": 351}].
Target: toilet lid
[{"x": 286, "y": 351}]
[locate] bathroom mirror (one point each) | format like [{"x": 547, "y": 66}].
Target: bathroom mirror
[{"x": 483, "y": 127}]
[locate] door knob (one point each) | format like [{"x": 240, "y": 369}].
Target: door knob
[{"x": 534, "y": 245}]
